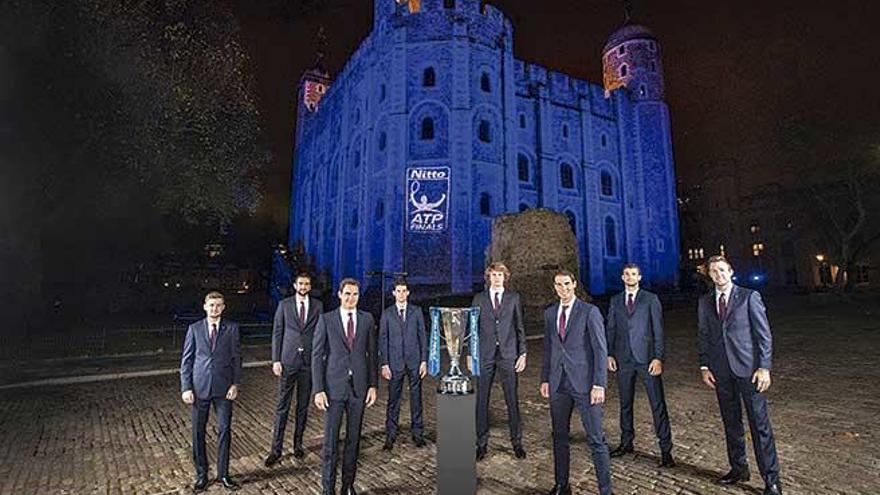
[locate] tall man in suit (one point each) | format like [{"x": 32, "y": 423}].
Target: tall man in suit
[
  {"x": 292, "y": 333},
  {"x": 736, "y": 348},
  {"x": 344, "y": 376},
  {"x": 502, "y": 349},
  {"x": 210, "y": 371},
  {"x": 403, "y": 353},
  {"x": 573, "y": 374},
  {"x": 635, "y": 351}
]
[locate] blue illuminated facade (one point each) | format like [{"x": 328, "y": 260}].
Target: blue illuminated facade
[{"x": 433, "y": 127}]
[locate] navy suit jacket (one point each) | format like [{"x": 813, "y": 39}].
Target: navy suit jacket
[
  {"x": 334, "y": 365},
  {"x": 743, "y": 337},
  {"x": 582, "y": 355},
  {"x": 644, "y": 327},
  {"x": 291, "y": 340},
  {"x": 210, "y": 373},
  {"x": 506, "y": 328},
  {"x": 402, "y": 343}
]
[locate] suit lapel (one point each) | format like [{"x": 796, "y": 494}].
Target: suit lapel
[{"x": 735, "y": 300}]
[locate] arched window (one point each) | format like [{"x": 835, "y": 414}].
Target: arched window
[
  {"x": 610, "y": 237},
  {"x": 572, "y": 221},
  {"x": 429, "y": 78},
  {"x": 382, "y": 93},
  {"x": 621, "y": 49},
  {"x": 427, "y": 128},
  {"x": 624, "y": 70},
  {"x": 566, "y": 176},
  {"x": 383, "y": 138},
  {"x": 607, "y": 184},
  {"x": 357, "y": 159},
  {"x": 485, "y": 85},
  {"x": 643, "y": 90},
  {"x": 380, "y": 210},
  {"x": 523, "y": 207},
  {"x": 354, "y": 220},
  {"x": 522, "y": 121},
  {"x": 565, "y": 130},
  {"x": 484, "y": 132},
  {"x": 522, "y": 167},
  {"x": 604, "y": 140},
  {"x": 485, "y": 204}
]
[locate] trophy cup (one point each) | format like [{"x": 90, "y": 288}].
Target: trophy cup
[{"x": 456, "y": 325}]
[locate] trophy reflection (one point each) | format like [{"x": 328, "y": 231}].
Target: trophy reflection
[{"x": 456, "y": 325}]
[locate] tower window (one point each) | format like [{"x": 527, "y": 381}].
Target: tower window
[
  {"x": 572, "y": 221},
  {"x": 565, "y": 130},
  {"x": 607, "y": 184},
  {"x": 427, "y": 129},
  {"x": 522, "y": 166},
  {"x": 380, "y": 210},
  {"x": 643, "y": 90},
  {"x": 610, "y": 237},
  {"x": 522, "y": 121},
  {"x": 624, "y": 70},
  {"x": 382, "y": 93},
  {"x": 354, "y": 220},
  {"x": 429, "y": 78},
  {"x": 383, "y": 138},
  {"x": 485, "y": 204},
  {"x": 357, "y": 159},
  {"x": 566, "y": 176},
  {"x": 653, "y": 66},
  {"x": 652, "y": 46},
  {"x": 621, "y": 49},
  {"x": 485, "y": 84},
  {"x": 603, "y": 139},
  {"x": 484, "y": 131}
]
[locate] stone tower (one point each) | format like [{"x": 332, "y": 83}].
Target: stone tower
[{"x": 631, "y": 59}]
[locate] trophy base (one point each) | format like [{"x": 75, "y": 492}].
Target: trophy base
[{"x": 455, "y": 386}]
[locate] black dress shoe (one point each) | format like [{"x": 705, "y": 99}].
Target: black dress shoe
[
  {"x": 389, "y": 444},
  {"x": 271, "y": 459},
  {"x": 200, "y": 485},
  {"x": 621, "y": 450},
  {"x": 298, "y": 452},
  {"x": 733, "y": 477},
  {"x": 560, "y": 490},
  {"x": 481, "y": 453},
  {"x": 419, "y": 441},
  {"x": 666, "y": 460},
  {"x": 519, "y": 452},
  {"x": 773, "y": 489},
  {"x": 229, "y": 483}
]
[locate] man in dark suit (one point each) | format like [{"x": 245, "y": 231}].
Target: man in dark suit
[
  {"x": 210, "y": 371},
  {"x": 292, "y": 333},
  {"x": 736, "y": 348},
  {"x": 635, "y": 350},
  {"x": 502, "y": 349},
  {"x": 344, "y": 376},
  {"x": 573, "y": 374},
  {"x": 403, "y": 353}
]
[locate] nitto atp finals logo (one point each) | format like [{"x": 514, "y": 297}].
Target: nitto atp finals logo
[{"x": 428, "y": 205}]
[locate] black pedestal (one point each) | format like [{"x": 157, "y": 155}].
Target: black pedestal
[{"x": 456, "y": 444}]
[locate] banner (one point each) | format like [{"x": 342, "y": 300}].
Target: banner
[{"x": 427, "y": 206}]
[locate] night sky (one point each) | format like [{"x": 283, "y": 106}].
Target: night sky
[{"x": 739, "y": 75}]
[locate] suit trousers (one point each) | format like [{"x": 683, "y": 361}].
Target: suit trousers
[
  {"x": 626, "y": 386},
  {"x": 509, "y": 381},
  {"x": 562, "y": 402},
  {"x": 353, "y": 409},
  {"x": 200, "y": 410},
  {"x": 301, "y": 380},
  {"x": 732, "y": 391},
  {"x": 395, "y": 390}
]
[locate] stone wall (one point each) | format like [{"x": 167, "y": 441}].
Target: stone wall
[{"x": 533, "y": 245}]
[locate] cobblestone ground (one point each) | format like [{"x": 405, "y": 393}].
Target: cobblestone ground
[{"x": 132, "y": 436}]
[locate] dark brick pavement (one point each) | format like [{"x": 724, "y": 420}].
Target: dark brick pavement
[{"x": 131, "y": 436}]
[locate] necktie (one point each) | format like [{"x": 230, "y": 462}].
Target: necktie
[
  {"x": 722, "y": 307},
  {"x": 213, "y": 335},
  {"x": 561, "y": 328},
  {"x": 402, "y": 315},
  {"x": 349, "y": 332},
  {"x": 302, "y": 312},
  {"x": 497, "y": 302},
  {"x": 630, "y": 303}
]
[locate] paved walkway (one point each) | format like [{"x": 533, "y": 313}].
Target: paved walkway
[{"x": 132, "y": 436}]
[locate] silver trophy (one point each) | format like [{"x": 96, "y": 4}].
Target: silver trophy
[{"x": 456, "y": 325}]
